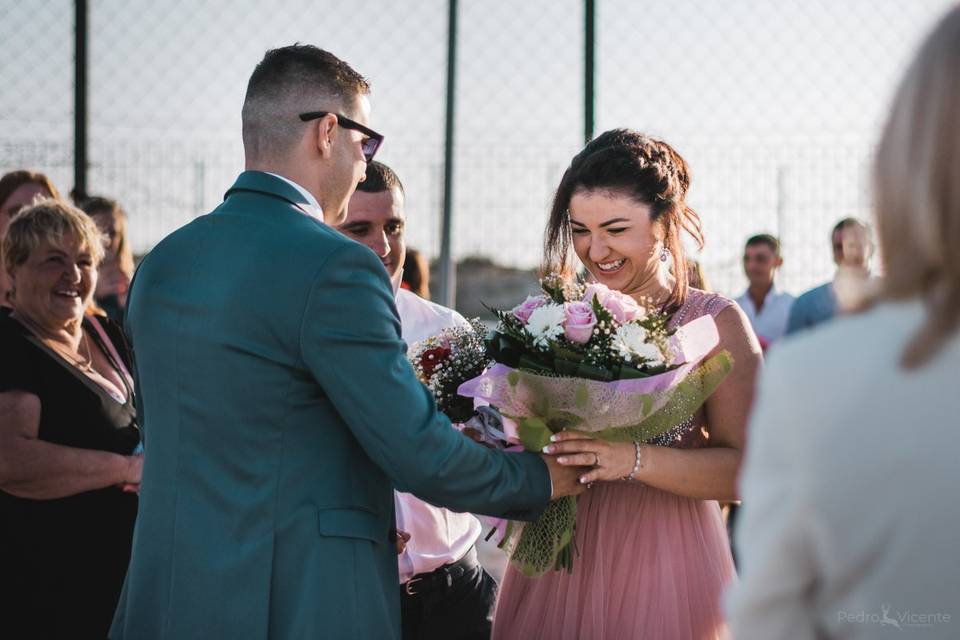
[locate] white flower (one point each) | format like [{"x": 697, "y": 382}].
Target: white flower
[
  {"x": 546, "y": 324},
  {"x": 630, "y": 342}
]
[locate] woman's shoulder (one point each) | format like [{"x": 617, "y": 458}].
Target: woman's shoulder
[
  {"x": 20, "y": 368},
  {"x": 12, "y": 333},
  {"x": 702, "y": 303}
]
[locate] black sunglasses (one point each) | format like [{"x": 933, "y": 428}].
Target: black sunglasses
[{"x": 369, "y": 145}]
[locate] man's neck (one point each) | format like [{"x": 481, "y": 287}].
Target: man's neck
[
  {"x": 293, "y": 171},
  {"x": 758, "y": 293}
]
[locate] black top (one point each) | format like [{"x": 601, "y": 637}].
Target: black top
[{"x": 64, "y": 559}]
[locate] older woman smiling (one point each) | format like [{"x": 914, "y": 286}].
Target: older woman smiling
[{"x": 67, "y": 433}]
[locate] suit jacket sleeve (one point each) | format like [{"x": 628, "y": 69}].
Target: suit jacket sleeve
[
  {"x": 775, "y": 542},
  {"x": 350, "y": 341}
]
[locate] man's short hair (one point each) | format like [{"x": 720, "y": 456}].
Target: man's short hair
[
  {"x": 380, "y": 177},
  {"x": 765, "y": 239},
  {"x": 290, "y": 81}
]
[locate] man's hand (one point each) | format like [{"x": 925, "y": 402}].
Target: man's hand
[{"x": 565, "y": 481}]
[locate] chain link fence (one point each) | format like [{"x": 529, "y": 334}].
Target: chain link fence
[{"x": 776, "y": 105}]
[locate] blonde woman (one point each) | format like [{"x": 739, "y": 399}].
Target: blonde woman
[
  {"x": 850, "y": 515},
  {"x": 68, "y": 432}
]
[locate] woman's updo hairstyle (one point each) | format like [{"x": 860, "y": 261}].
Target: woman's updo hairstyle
[{"x": 648, "y": 170}]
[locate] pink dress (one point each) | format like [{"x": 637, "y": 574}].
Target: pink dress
[{"x": 652, "y": 564}]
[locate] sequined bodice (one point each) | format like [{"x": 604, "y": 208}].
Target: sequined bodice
[{"x": 693, "y": 432}]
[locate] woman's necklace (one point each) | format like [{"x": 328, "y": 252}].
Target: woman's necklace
[{"x": 82, "y": 363}]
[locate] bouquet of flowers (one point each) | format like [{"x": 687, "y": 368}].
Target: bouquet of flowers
[
  {"x": 590, "y": 359},
  {"x": 444, "y": 361}
]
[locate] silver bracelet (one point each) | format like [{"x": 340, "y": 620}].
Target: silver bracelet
[{"x": 636, "y": 464}]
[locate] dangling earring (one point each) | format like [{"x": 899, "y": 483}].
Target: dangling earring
[{"x": 664, "y": 254}]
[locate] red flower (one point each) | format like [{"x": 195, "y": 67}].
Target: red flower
[{"x": 431, "y": 358}]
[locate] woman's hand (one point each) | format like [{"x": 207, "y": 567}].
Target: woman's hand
[{"x": 609, "y": 460}]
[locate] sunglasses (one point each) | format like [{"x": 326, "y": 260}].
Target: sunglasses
[{"x": 369, "y": 145}]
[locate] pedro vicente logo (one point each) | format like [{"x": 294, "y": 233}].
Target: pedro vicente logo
[{"x": 900, "y": 620}]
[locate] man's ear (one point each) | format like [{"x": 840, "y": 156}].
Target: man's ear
[
  {"x": 325, "y": 135},
  {"x": 778, "y": 262}
]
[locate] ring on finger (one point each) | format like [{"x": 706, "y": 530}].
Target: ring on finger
[{"x": 596, "y": 459}]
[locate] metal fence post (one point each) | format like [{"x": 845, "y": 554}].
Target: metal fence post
[
  {"x": 80, "y": 62},
  {"x": 589, "y": 67},
  {"x": 448, "y": 273}
]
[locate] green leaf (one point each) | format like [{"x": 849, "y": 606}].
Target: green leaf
[{"x": 534, "y": 433}]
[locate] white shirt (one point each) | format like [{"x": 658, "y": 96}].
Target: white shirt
[
  {"x": 771, "y": 322},
  {"x": 850, "y": 514},
  {"x": 437, "y": 536},
  {"x": 314, "y": 209}
]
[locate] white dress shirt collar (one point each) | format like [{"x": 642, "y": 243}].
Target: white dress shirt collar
[{"x": 317, "y": 210}]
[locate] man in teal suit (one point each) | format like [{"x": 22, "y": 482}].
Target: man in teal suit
[{"x": 278, "y": 409}]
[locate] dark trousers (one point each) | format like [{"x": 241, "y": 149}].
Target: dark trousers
[{"x": 458, "y": 609}]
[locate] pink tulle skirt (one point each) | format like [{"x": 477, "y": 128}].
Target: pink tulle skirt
[{"x": 652, "y": 565}]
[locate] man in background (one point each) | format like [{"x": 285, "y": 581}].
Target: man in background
[
  {"x": 444, "y": 592},
  {"x": 852, "y": 250},
  {"x": 766, "y": 306}
]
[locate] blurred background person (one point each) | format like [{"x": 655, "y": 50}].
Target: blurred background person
[
  {"x": 416, "y": 274},
  {"x": 17, "y": 190},
  {"x": 850, "y": 514},
  {"x": 852, "y": 250},
  {"x": 444, "y": 592},
  {"x": 696, "y": 276},
  {"x": 116, "y": 270},
  {"x": 67, "y": 434},
  {"x": 766, "y": 306}
]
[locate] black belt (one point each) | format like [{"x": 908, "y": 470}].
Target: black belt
[{"x": 441, "y": 578}]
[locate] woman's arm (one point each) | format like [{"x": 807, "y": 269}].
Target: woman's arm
[
  {"x": 709, "y": 473},
  {"x": 32, "y": 468}
]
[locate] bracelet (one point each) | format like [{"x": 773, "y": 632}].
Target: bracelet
[{"x": 636, "y": 464}]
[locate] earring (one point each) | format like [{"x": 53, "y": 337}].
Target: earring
[{"x": 664, "y": 254}]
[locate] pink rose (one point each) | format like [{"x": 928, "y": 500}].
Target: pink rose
[
  {"x": 623, "y": 308},
  {"x": 601, "y": 291},
  {"x": 579, "y": 322},
  {"x": 523, "y": 310}
]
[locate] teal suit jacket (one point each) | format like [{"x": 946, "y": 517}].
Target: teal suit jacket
[{"x": 279, "y": 413}]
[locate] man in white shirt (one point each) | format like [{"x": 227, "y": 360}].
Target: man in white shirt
[
  {"x": 766, "y": 306},
  {"x": 445, "y": 593}
]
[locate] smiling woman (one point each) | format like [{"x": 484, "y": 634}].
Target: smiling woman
[
  {"x": 621, "y": 207},
  {"x": 68, "y": 476}
]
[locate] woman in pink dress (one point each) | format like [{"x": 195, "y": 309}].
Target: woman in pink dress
[{"x": 654, "y": 557}]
